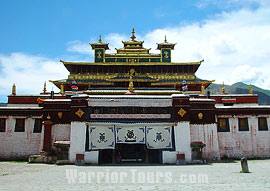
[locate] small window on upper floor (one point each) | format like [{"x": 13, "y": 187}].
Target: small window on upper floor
[
  {"x": 2, "y": 125},
  {"x": 20, "y": 125},
  {"x": 262, "y": 124},
  {"x": 37, "y": 126},
  {"x": 223, "y": 125},
  {"x": 243, "y": 124}
]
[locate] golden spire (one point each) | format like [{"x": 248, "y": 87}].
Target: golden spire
[
  {"x": 165, "y": 40},
  {"x": 62, "y": 90},
  {"x": 14, "y": 89},
  {"x": 133, "y": 36},
  {"x": 99, "y": 40},
  {"x": 130, "y": 86},
  {"x": 202, "y": 90},
  {"x": 44, "y": 88},
  {"x": 223, "y": 89},
  {"x": 250, "y": 89}
]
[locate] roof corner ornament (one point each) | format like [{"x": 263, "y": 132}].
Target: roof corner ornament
[
  {"x": 14, "y": 89},
  {"x": 133, "y": 35},
  {"x": 250, "y": 89}
]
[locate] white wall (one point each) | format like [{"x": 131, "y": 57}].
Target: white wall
[
  {"x": 60, "y": 132},
  {"x": 19, "y": 145},
  {"x": 182, "y": 144},
  {"x": 206, "y": 133},
  {"x": 77, "y": 139},
  {"x": 252, "y": 143}
]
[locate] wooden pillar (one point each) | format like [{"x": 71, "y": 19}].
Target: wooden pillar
[
  {"x": 47, "y": 141},
  {"x": 113, "y": 156},
  {"x": 146, "y": 154}
]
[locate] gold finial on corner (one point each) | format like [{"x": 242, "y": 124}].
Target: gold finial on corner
[
  {"x": 223, "y": 89},
  {"x": 250, "y": 89},
  {"x": 133, "y": 35},
  {"x": 14, "y": 89},
  {"x": 62, "y": 89},
  {"x": 202, "y": 90},
  {"x": 45, "y": 88},
  {"x": 165, "y": 40},
  {"x": 130, "y": 86},
  {"x": 99, "y": 40}
]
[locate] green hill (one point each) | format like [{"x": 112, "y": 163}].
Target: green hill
[{"x": 242, "y": 88}]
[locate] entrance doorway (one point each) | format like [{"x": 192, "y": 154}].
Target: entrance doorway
[{"x": 131, "y": 152}]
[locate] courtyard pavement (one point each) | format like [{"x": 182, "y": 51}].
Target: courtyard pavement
[{"x": 216, "y": 176}]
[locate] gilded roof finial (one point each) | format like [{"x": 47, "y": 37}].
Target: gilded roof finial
[
  {"x": 223, "y": 89},
  {"x": 133, "y": 36},
  {"x": 250, "y": 89},
  {"x": 44, "y": 88},
  {"x": 165, "y": 40},
  {"x": 14, "y": 89},
  {"x": 99, "y": 40},
  {"x": 202, "y": 90}
]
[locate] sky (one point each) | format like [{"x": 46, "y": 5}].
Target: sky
[{"x": 232, "y": 36}]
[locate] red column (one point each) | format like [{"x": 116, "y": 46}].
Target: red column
[{"x": 47, "y": 142}]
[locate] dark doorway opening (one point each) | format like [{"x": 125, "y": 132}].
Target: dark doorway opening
[
  {"x": 155, "y": 156},
  {"x": 105, "y": 156},
  {"x": 131, "y": 152}
]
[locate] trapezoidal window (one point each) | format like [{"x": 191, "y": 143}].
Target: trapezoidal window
[
  {"x": 223, "y": 125},
  {"x": 243, "y": 124},
  {"x": 20, "y": 125},
  {"x": 262, "y": 124},
  {"x": 37, "y": 126},
  {"x": 2, "y": 125}
]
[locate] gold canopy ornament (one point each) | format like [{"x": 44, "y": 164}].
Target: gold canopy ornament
[
  {"x": 14, "y": 89},
  {"x": 250, "y": 89},
  {"x": 223, "y": 89},
  {"x": 62, "y": 89},
  {"x": 130, "y": 86},
  {"x": 44, "y": 88},
  {"x": 202, "y": 90}
]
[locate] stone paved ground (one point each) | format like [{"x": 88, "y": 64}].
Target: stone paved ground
[{"x": 221, "y": 176}]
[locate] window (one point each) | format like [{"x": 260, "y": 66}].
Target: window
[
  {"x": 19, "y": 125},
  {"x": 2, "y": 125},
  {"x": 262, "y": 124},
  {"x": 223, "y": 125},
  {"x": 243, "y": 124},
  {"x": 37, "y": 126}
]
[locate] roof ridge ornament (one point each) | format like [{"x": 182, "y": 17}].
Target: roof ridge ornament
[
  {"x": 99, "y": 40},
  {"x": 165, "y": 40},
  {"x": 133, "y": 35}
]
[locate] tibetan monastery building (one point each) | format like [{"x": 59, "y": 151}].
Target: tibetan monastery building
[{"x": 135, "y": 104}]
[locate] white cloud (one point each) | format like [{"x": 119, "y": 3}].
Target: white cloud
[
  {"x": 78, "y": 47},
  {"x": 29, "y": 73}
]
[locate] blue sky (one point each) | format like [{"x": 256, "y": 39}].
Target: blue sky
[{"x": 228, "y": 34}]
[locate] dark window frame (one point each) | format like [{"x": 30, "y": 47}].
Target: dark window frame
[
  {"x": 260, "y": 128},
  {"x": 243, "y": 128},
  {"x": 227, "y": 129},
  {"x": 3, "y": 124},
  {"x": 37, "y": 126},
  {"x": 19, "y": 128}
]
